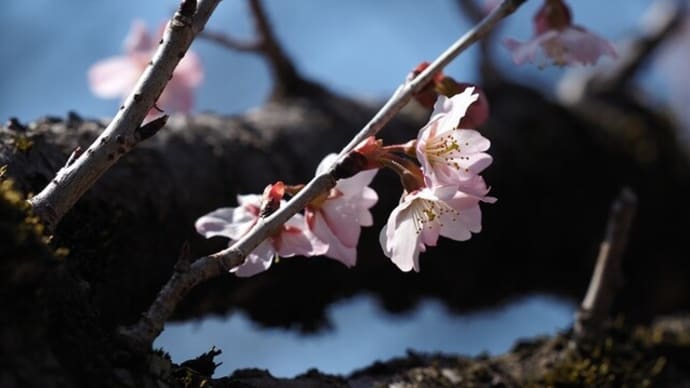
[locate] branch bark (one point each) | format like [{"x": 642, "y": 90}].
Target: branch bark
[
  {"x": 287, "y": 80},
  {"x": 124, "y": 131},
  {"x": 142, "y": 334},
  {"x": 607, "y": 274}
]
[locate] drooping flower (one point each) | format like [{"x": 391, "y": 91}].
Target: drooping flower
[
  {"x": 424, "y": 215},
  {"x": 292, "y": 239},
  {"x": 337, "y": 217},
  {"x": 449, "y": 154},
  {"x": 557, "y": 41},
  {"x": 116, "y": 76}
]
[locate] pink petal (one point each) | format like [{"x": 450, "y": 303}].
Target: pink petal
[
  {"x": 341, "y": 218},
  {"x": 138, "y": 39},
  {"x": 296, "y": 240},
  {"x": 336, "y": 249},
  {"x": 582, "y": 46},
  {"x": 190, "y": 70},
  {"x": 352, "y": 187},
  {"x": 458, "y": 105},
  {"x": 113, "y": 77},
  {"x": 466, "y": 221},
  {"x": 258, "y": 261},
  {"x": 399, "y": 238},
  {"x": 232, "y": 223}
]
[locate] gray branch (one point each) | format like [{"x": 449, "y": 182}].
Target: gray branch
[
  {"x": 124, "y": 131},
  {"x": 607, "y": 274}
]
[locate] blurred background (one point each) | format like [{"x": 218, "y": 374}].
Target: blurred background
[{"x": 361, "y": 49}]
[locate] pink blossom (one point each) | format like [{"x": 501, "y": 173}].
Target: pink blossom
[
  {"x": 558, "y": 41},
  {"x": 337, "y": 219},
  {"x": 424, "y": 215},
  {"x": 450, "y": 155},
  {"x": 292, "y": 239},
  {"x": 116, "y": 76}
]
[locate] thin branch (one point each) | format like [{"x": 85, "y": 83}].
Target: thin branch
[
  {"x": 125, "y": 131},
  {"x": 670, "y": 18},
  {"x": 287, "y": 80},
  {"x": 142, "y": 334},
  {"x": 607, "y": 274},
  {"x": 474, "y": 12},
  {"x": 230, "y": 42}
]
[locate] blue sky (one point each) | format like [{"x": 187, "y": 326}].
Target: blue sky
[{"x": 361, "y": 48}]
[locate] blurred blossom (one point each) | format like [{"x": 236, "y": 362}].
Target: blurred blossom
[
  {"x": 116, "y": 76},
  {"x": 557, "y": 41}
]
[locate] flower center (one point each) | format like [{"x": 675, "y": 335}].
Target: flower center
[
  {"x": 426, "y": 212},
  {"x": 445, "y": 150}
]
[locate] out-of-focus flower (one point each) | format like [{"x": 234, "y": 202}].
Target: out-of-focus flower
[
  {"x": 424, "y": 215},
  {"x": 558, "y": 41},
  {"x": 292, "y": 239},
  {"x": 448, "y": 154},
  {"x": 116, "y": 76},
  {"x": 337, "y": 217}
]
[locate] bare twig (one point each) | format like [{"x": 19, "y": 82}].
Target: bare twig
[
  {"x": 125, "y": 130},
  {"x": 142, "y": 334},
  {"x": 474, "y": 12},
  {"x": 230, "y": 42},
  {"x": 607, "y": 274},
  {"x": 287, "y": 80}
]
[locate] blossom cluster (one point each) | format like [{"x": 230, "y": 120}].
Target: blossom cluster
[{"x": 440, "y": 173}]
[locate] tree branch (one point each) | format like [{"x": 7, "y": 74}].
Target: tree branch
[
  {"x": 668, "y": 20},
  {"x": 142, "y": 334},
  {"x": 124, "y": 131},
  {"x": 230, "y": 42},
  {"x": 287, "y": 80},
  {"x": 607, "y": 274}
]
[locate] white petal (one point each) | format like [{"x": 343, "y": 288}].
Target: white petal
[
  {"x": 258, "y": 261},
  {"x": 232, "y": 223},
  {"x": 336, "y": 249}
]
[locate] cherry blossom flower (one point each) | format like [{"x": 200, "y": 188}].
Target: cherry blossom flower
[
  {"x": 116, "y": 76},
  {"x": 448, "y": 154},
  {"x": 337, "y": 217},
  {"x": 424, "y": 215},
  {"x": 558, "y": 41},
  {"x": 292, "y": 239}
]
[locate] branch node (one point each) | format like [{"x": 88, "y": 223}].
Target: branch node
[
  {"x": 184, "y": 260},
  {"x": 185, "y": 13},
  {"x": 73, "y": 156},
  {"x": 151, "y": 128}
]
